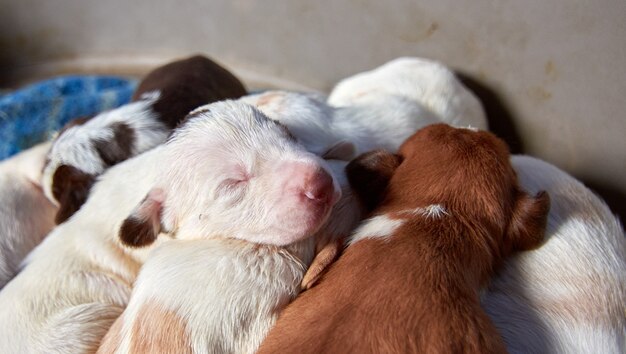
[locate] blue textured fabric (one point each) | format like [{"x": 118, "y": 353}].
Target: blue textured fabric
[{"x": 33, "y": 113}]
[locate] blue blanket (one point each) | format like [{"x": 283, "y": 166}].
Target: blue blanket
[{"x": 32, "y": 114}]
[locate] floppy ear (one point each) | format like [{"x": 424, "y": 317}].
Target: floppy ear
[
  {"x": 528, "y": 224},
  {"x": 70, "y": 187},
  {"x": 343, "y": 150},
  {"x": 143, "y": 226},
  {"x": 369, "y": 175}
]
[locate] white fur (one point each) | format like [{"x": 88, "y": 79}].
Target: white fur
[
  {"x": 234, "y": 289},
  {"x": 427, "y": 82},
  {"x": 79, "y": 279},
  {"x": 26, "y": 216},
  {"x": 379, "y": 226},
  {"x": 378, "y": 109},
  {"x": 568, "y": 296},
  {"x": 74, "y": 146}
]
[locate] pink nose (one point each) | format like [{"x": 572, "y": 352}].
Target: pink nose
[{"x": 319, "y": 187}]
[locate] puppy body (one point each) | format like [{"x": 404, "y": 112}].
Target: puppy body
[
  {"x": 79, "y": 279},
  {"x": 26, "y": 215},
  {"x": 427, "y": 82},
  {"x": 234, "y": 289},
  {"x": 409, "y": 281},
  {"x": 85, "y": 149},
  {"x": 569, "y": 295},
  {"x": 378, "y": 109}
]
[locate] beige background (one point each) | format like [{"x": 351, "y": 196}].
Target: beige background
[{"x": 551, "y": 73}]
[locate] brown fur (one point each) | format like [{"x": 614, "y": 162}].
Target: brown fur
[
  {"x": 157, "y": 330},
  {"x": 417, "y": 289},
  {"x": 110, "y": 342},
  {"x": 187, "y": 84},
  {"x": 70, "y": 187},
  {"x": 119, "y": 147}
]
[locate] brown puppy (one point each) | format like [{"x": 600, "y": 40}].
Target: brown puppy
[{"x": 409, "y": 281}]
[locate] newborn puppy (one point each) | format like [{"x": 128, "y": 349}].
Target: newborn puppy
[
  {"x": 430, "y": 83},
  {"x": 233, "y": 172},
  {"x": 409, "y": 280},
  {"x": 85, "y": 149},
  {"x": 26, "y": 215},
  {"x": 569, "y": 295},
  {"x": 235, "y": 288}
]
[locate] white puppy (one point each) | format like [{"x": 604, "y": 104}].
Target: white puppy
[
  {"x": 26, "y": 215},
  {"x": 240, "y": 169},
  {"x": 85, "y": 149},
  {"x": 374, "y": 110},
  {"x": 218, "y": 295},
  {"x": 569, "y": 295},
  {"x": 430, "y": 83}
]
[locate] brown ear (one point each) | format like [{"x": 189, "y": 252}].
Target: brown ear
[
  {"x": 70, "y": 187},
  {"x": 343, "y": 150},
  {"x": 369, "y": 175},
  {"x": 528, "y": 224},
  {"x": 143, "y": 226}
]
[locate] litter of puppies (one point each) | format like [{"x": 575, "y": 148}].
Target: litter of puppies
[{"x": 383, "y": 218}]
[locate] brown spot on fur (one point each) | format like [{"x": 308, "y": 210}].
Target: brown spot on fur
[
  {"x": 137, "y": 233},
  {"x": 157, "y": 330},
  {"x": 187, "y": 84},
  {"x": 267, "y": 98},
  {"x": 119, "y": 147},
  {"x": 70, "y": 187},
  {"x": 111, "y": 341},
  {"x": 417, "y": 290}
]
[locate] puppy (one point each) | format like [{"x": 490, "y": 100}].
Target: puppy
[
  {"x": 234, "y": 290},
  {"x": 430, "y": 83},
  {"x": 86, "y": 148},
  {"x": 26, "y": 215},
  {"x": 375, "y": 110},
  {"x": 233, "y": 171},
  {"x": 569, "y": 295},
  {"x": 409, "y": 280}
]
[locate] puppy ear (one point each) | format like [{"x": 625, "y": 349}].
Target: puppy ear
[
  {"x": 70, "y": 187},
  {"x": 528, "y": 224},
  {"x": 369, "y": 175},
  {"x": 143, "y": 226},
  {"x": 343, "y": 150}
]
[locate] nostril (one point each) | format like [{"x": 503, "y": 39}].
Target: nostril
[{"x": 320, "y": 187}]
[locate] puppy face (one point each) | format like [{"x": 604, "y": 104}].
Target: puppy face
[{"x": 229, "y": 170}]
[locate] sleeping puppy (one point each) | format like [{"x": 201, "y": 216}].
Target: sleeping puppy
[
  {"x": 430, "y": 83},
  {"x": 84, "y": 149},
  {"x": 235, "y": 287},
  {"x": 410, "y": 279},
  {"x": 569, "y": 295},
  {"x": 233, "y": 171},
  {"x": 26, "y": 215},
  {"x": 375, "y": 110}
]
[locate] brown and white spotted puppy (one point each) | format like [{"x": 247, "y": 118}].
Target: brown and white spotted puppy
[
  {"x": 26, "y": 215},
  {"x": 84, "y": 149},
  {"x": 409, "y": 281}
]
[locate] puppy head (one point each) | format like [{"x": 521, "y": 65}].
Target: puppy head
[
  {"x": 308, "y": 118},
  {"x": 82, "y": 151},
  {"x": 229, "y": 170},
  {"x": 469, "y": 173}
]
